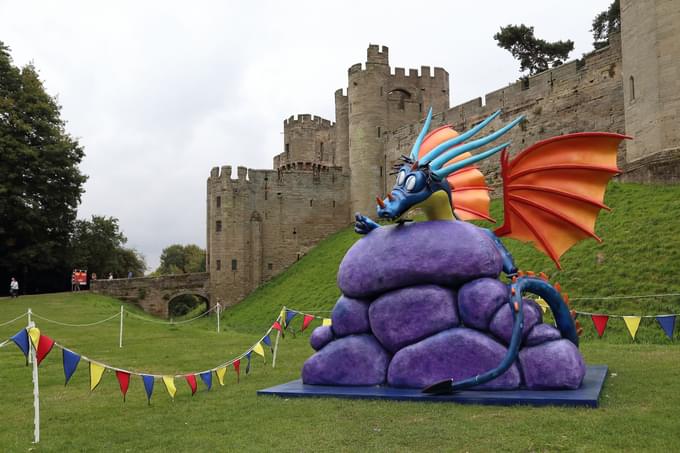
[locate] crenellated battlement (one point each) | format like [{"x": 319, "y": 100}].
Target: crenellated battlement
[
  {"x": 307, "y": 120},
  {"x": 377, "y": 54}
]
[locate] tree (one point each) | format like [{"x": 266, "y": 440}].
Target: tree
[
  {"x": 606, "y": 23},
  {"x": 181, "y": 259},
  {"x": 40, "y": 183},
  {"x": 98, "y": 246},
  {"x": 535, "y": 55}
]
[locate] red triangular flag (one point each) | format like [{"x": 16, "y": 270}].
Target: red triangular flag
[
  {"x": 45, "y": 345},
  {"x": 237, "y": 368},
  {"x": 600, "y": 322},
  {"x": 123, "y": 381},
  {"x": 278, "y": 327},
  {"x": 191, "y": 380},
  {"x": 306, "y": 321}
]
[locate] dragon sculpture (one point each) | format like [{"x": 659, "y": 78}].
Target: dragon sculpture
[{"x": 552, "y": 194}]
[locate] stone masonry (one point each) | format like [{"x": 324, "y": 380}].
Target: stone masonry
[{"x": 264, "y": 220}]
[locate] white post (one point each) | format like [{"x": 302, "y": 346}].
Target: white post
[
  {"x": 36, "y": 389},
  {"x": 30, "y": 323},
  {"x": 218, "y": 316},
  {"x": 120, "y": 336},
  {"x": 276, "y": 348}
]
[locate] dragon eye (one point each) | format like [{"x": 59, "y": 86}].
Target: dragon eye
[
  {"x": 410, "y": 183},
  {"x": 401, "y": 177}
]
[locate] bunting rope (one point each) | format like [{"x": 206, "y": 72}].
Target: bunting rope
[
  {"x": 117, "y": 315},
  {"x": 4, "y": 343},
  {"x": 586, "y": 313},
  {"x": 185, "y": 321},
  {"x": 15, "y": 319},
  {"x": 644, "y": 296}
]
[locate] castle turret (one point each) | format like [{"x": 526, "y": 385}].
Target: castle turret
[
  {"x": 309, "y": 139},
  {"x": 651, "y": 73},
  {"x": 341, "y": 130}
]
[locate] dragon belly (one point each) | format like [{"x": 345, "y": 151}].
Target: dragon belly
[{"x": 422, "y": 303}]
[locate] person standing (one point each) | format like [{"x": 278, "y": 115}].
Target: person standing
[{"x": 14, "y": 288}]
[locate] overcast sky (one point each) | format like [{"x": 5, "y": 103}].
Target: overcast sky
[{"x": 160, "y": 92}]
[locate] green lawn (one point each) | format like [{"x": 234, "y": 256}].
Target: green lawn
[{"x": 639, "y": 405}]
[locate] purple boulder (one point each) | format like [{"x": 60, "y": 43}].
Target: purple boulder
[
  {"x": 352, "y": 360},
  {"x": 502, "y": 322},
  {"x": 320, "y": 337},
  {"x": 479, "y": 299},
  {"x": 553, "y": 365},
  {"x": 457, "y": 353},
  {"x": 350, "y": 316},
  {"x": 542, "y": 333},
  {"x": 404, "y": 316},
  {"x": 440, "y": 252}
]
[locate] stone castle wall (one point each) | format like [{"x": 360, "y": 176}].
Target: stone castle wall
[
  {"x": 581, "y": 95},
  {"x": 265, "y": 220}
]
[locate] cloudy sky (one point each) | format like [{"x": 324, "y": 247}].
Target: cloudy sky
[{"x": 158, "y": 92}]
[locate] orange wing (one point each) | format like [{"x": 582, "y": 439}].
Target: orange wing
[
  {"x": 469, "y": 191},
  {"x": 554, "y": 190}
]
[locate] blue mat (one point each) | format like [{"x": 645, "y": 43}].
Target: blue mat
[{"x": 587, "y": 395}]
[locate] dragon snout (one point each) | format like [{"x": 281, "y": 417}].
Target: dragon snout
[{"x": 389, "y": 208}]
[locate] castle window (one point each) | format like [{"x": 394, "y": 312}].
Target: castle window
[
  {"x": 379, "y": 130},
  {"x": 234, "y": 265},
  {"x": 218, "y": 225},
  {"x": 218, "y": 265},
  {"x": 400, "y": 96},
  {"x": 525, "y": 83},
  {"x": 270, "y": 266},
  {"x": 631, "y": 82},
  {"x": 287, "y": 150},
  {"x": 381, "y": 91},
  {"x": 311, "y": 203},
  {"x": 294, "y": 231},
  {"x": 321, "y": 152},
  {"x": 218, "y": 202},
  {"x": 381, "y": 171},
  {"x": 333, "y": 203},
  {"x": 420, "y": 107}
]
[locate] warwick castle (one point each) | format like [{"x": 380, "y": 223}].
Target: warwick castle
[{"x": 262, "y": 222}]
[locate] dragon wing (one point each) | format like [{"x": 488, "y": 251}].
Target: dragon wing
[
  {"x": 469, "y": 192},
  {"x": 554, "y": 190}
]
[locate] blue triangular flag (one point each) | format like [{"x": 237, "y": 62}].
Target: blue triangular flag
[
  {"x": 289, "y": 315},
  {"x": 148, "y": 385},
  {"x": 266, "y": 340},
  {"x": 667, "y": 323},
  {"x": 248, "y": 365},
  {"x": 207, "y": 379},
  {"x": 71, "y": 360},
  {"x": 21, "y": 340}
]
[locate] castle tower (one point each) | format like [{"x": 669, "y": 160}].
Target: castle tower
[
  {"x": 379, "y": 102},
  {"x": 308, "y": 139},
  {"x": 651, "y": 81}
]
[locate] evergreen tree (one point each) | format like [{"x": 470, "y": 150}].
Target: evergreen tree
[
  {"x": 535, "y": 55},
  {"x": 40, "y": 183},
  {"x": 606, "y": 23}
]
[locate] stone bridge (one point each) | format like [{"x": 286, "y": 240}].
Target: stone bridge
[{"x": 153, "y": 294}]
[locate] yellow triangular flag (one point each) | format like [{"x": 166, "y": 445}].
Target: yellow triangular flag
[
  {"x": 282, "y": 316},
  {"x": 258, "y": 349},
  {"x": 632, "y": 322},
  {"x": 326, "y": 322},
  {"x": 34, "y": 333},
  {"x": 543, "y": 304},
  {"x": 96, "y": 372},
  {"x": 169, "y": 382},
  {"x": 220, "y": 372}
]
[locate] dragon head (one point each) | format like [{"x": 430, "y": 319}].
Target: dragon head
[{"x": 422, "y": 176}]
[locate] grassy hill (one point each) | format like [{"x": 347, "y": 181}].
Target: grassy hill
[{"x": 640, "y": 255}]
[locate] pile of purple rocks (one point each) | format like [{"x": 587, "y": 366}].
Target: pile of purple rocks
[{"x": 422, "y": 303}]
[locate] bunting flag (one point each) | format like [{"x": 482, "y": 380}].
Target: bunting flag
[
  {"x": 206, "y": 377},
  {"x": 289, "y": 316},
  {"x": 71, "y": 360},
  {"x": 34, "y": 333},
  {"x": 543, "y": 304},
  {"x": 632, "y": 323},
  {"x": 268, "y": 341},
  {"x": 600, "y": 322},
  {"x": 45, "y": 345},
  {"x": 220, "y": 372},
  {"x": 96, "y": 372},
  {"x": 21, "y": 340},
  {"x": 277, "y": 326},
  {"x": 326, "y": 322},
  {"x": 123, "y": 381},
  {"x": 148, "y": 386},
  {"x": 248, "y": 364},
  {"x": 259, "y": 350},
  {"x": 169, "y": 382},
  {"x": 237, "y": 368},
  {"x": 667, "y": 323},
  {"x": 191, "y": 380},
  {"x": 306, "y": 321}
]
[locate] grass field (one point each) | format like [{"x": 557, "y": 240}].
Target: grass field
[{"x": 639, "y": 405}]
